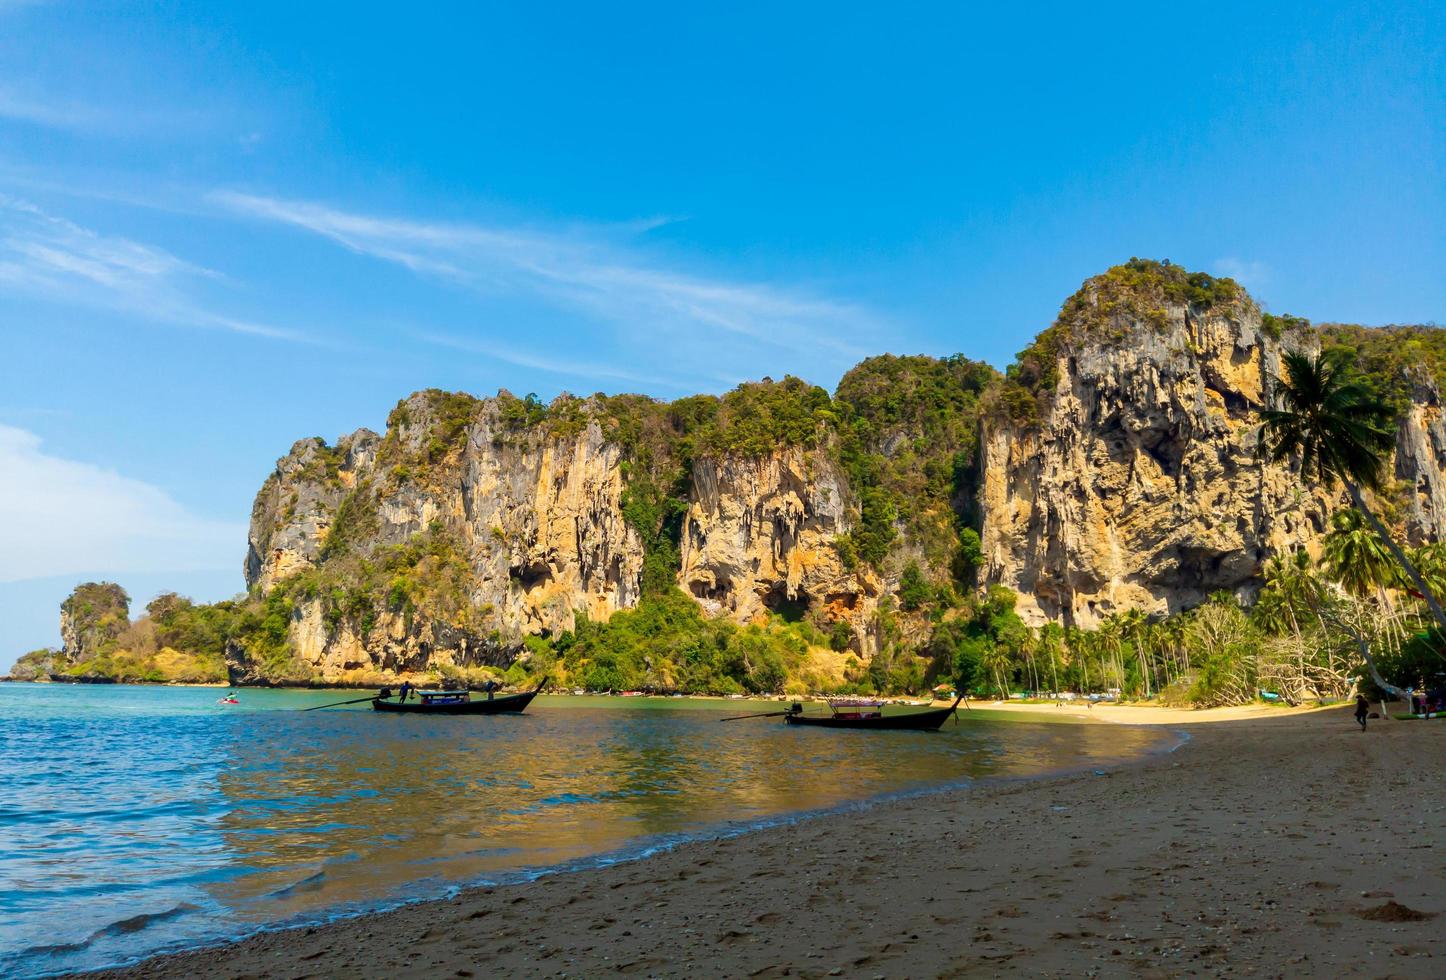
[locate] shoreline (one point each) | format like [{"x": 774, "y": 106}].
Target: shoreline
[{"x": 1062, "y": 874}]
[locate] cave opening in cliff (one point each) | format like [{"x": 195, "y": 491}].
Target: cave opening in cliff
[
  {"x": 792, "y": 609},
  {"x": 531, "y": 575},
  {"x": 706, "y": 589}
]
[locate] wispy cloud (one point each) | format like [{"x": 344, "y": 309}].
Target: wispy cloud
[
  {"x": 66, "y": 517},
  {"x": 60, "y": 260},
  {"x": 53, "y": 114},
  {"x": 596, "y": 270},
  {"x": 1250, "y": 274}
]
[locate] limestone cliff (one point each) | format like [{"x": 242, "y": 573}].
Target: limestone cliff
[
  {"x": 759, "y": 536},
  {"x": 1420, "y": 463},
  {"x": 534, "y": 520},
  {"x": 469, "y": 526},
  {"x": 1114, "y": 468},
  {"x": 297, "y": 503},
  {"x": 1138, "y": 485}
]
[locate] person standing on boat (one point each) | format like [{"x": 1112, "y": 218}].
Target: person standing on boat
[
  {"x": 489, "y": 687},
  {"x": 405, "y": 690}
]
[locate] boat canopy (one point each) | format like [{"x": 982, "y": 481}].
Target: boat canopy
[{"x": 439, "y": 696}]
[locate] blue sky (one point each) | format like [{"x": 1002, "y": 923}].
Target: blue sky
[{"x": 223, "y": 228}]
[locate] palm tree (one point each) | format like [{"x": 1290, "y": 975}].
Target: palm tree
[
  {"x": 1354, "y": 556},
  {"x": 1430, "y": 559},
  {"x": 1136, "y": 628},
  {"x": 998, "y": 662},
  {"x": 1329, "y": 417},
  {"x": 1291, "y": 587},
  {"x": 1051, "y": 638}
]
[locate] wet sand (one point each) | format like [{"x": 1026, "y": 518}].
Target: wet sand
[{"x": 1270, "y": 844}]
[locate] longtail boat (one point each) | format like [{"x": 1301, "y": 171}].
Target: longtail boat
[
  {"x": 869, "y": 715},
  {"x": 457, "y": 702}
]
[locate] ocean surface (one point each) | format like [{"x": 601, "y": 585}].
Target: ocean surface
[{"x": 139, "y": 819}]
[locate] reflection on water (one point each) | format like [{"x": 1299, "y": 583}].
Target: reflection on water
[{"x": 135, "y": 818}]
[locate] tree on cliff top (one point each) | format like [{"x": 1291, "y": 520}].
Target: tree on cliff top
[{"x": 1339, "y": 428}]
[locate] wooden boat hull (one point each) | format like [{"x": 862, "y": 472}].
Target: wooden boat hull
[
  {"x": 508, "y": 704},
  {"x": 914, "y": 721}
]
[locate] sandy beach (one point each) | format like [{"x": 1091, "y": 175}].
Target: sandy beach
[{"x": 1270, "y": 843}]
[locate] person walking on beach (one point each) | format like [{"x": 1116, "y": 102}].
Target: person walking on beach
[{"x": 1363, "y": 708}]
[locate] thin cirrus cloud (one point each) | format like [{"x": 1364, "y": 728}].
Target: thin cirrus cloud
[
  {"x": 19, "y": 107},
  {"x": 61, "y": 261},
  {"x": 68, "y": 517},
  {"x": 26, "y": 105},
  {"x": 592, "y": 270}
]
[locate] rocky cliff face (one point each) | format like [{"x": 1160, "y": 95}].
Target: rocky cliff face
[
  {"x": 1139, "y": 486},
  {"x": 297, "y": 503},
  {"x": 759, "y": 536},
  {"x": 1115, "y": 468},
  {"x": 534, "y": 523},
  {"x": 535, "y": 520},
  {"x": 1420, "y": 464}
]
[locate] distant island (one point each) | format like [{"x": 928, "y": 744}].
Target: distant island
[{"x": 1097, "y": 517}]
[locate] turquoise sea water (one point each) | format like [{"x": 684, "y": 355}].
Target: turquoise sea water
[{"x": 137, "y": 819}]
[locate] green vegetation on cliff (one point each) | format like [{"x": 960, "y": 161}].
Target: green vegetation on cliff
[
  {"x": 92, "y": 619},
  {"x": 427, "y": 575},
  {"x": 1393, "y": 358},
  {"x": 908, "y": 442}
]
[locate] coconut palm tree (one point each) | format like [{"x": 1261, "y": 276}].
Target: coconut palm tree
[
  {"x": 1051, "y": 643},
  {"x": 1354, "y": 556},
  {"x": 1329, "y": 418},
  {"x": 997, "y": 661},
  {"x": 1430, "y": 559},
  {"x": 1291, "y": 588}
]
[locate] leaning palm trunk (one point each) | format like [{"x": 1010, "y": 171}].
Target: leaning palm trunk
[{"x": 1401, "y": 559}]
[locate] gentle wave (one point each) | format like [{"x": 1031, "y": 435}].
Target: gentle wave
[{"x": 121, "y": 927}]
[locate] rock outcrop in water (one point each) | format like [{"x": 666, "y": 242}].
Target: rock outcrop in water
[
  {"x": 174, "y": 641},
  {"x": 92, "y": 618}
]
